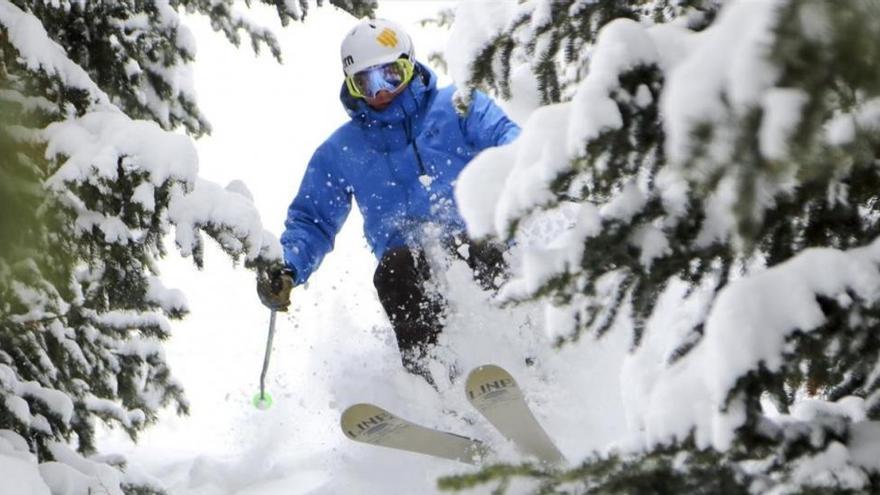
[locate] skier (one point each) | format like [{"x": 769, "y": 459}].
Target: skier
[{"x": 399, "y": 157}]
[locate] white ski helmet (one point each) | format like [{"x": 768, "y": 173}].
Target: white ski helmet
[{"x": 373, "y": 42}]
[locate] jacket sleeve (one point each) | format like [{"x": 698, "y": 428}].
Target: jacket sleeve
[
  {"x": 315, "y": 216},
  {"x": 486, "y": 125}
]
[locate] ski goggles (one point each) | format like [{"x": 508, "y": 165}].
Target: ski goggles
[{"x": 388, "y": 77}]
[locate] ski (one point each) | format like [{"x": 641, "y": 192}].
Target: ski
[
  {"x": 496, "y": 395},
  {"x": 373, "y": 425}
]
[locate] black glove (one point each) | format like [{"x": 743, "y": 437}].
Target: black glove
[{"x": 273, "y": 287}]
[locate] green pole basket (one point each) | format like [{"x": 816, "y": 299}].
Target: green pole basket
[{"x": 262, "y": 401}]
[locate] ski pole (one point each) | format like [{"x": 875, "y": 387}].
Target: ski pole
[{"x": 263, "y": 400}]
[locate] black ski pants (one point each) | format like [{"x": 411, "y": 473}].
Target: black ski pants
[{"x": 403, "y": 280}]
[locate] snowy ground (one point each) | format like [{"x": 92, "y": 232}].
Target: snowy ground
[{"x": 335, "y": 347}]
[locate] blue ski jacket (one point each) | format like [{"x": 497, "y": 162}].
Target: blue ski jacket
[{"x": 400, "y": 164}]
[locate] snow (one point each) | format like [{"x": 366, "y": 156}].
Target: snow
[
  {"x": 92, "y": 147},
  {"x": 73, "y": 474},
  {"x": 751, "y": 319},
  {"x": 109, "y": 408},
  {"x": 842, "y": 128},
  {"x": 211, "y": 205},
  {"x": 57, "y": 402},
  {"x": 747, "y": 325},
  {"x": 335, "y": 347},
  {"x": 627, "y": 204},
  {"x": 37, "y": 302},
  {"x": 13, "y": 444},
  {"x": 477, "y": 24},
  {"x": 64, "y": 480},
  {"x": 123, "y": 320},
  {"x": 170, "y": 300},
  {"x": 65, "y": 337},
  {"x": 525, "y": 97},
  {"x": 93, "y": 144},
  {"x": 831, "y": 468},
  {"x": 623, "y": 45},
  {"x": 865, "y": 444},
  {"x": 480, "y": 189},
  {"x": 145, "y": 195},
  {"x": 28, "y": 36},
  {"x": 554, "y": 134},
  {"x": 726, "y": 60},
  {"x": 20, "y": 477},
  {"x": 504, "y": 183},
  {"x": 782, "y": 110},
  {"x": 848, "y": 407},
  {"x": 652, "y": 244},
  {"x": 18, "y": 467},
  {"x": 19, "y": 408}
]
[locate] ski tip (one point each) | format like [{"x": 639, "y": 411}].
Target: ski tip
[
  {"x": 488, "y": 373},
  {"x": 360, "y": 417},
  {"x": 362, "y": 409}
]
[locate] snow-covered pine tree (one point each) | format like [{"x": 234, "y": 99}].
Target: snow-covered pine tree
[
  {"x": 553, "y": 39},
  {"x": 92, "y": 180},
  {"x": 724, "y": 158}
]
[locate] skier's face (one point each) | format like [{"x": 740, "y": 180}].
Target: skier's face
[{"x": 384, "y": 98}]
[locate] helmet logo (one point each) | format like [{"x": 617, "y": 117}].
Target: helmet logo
[
  {"x": 387, "y": 38},
  {"x": 348, "y": 60}
]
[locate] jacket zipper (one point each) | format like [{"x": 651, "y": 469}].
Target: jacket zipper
[{"x": 407, "y": 127}]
